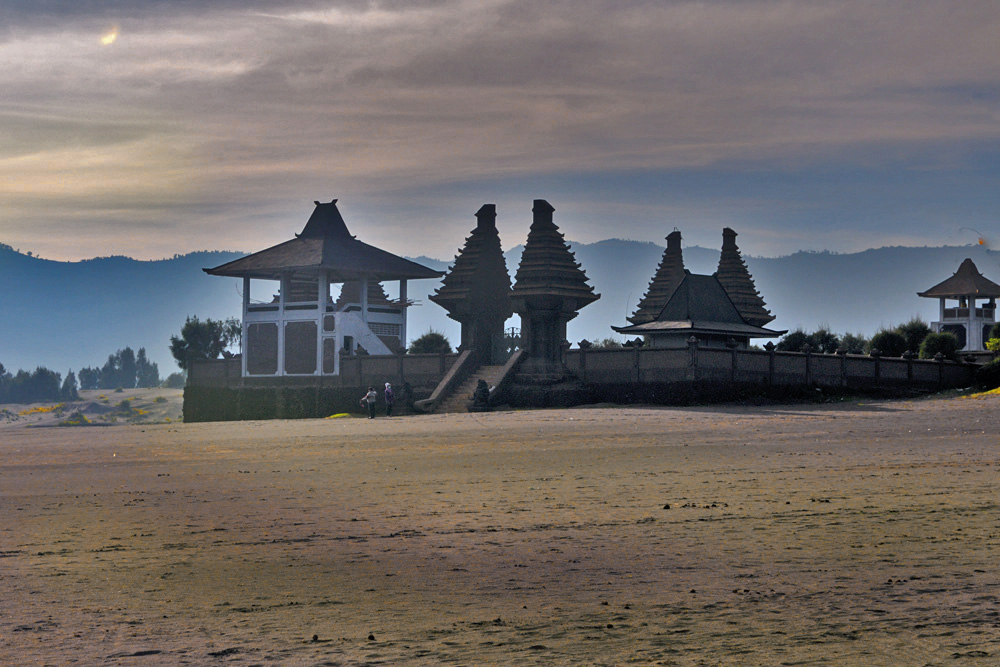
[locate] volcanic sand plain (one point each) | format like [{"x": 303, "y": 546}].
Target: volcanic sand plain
[{"x": 858, "y": 533}]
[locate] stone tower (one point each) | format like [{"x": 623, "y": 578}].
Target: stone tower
[
  {"x": 549, "y": 289},
  {"x": 736, "y": 280},
  {"x": 669, "y": 275},
  {"x": 476, "y": 291}
]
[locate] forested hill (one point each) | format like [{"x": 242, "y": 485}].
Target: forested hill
[
  {"x": 70, "y": 314},
  {"x": 65, "y": 315}
]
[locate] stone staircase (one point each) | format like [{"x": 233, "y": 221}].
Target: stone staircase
[{"x": 460, "y": 399}]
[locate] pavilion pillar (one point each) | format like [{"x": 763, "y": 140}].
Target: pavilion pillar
[
  {"x": 940, "y": 313},
  {"x": 402, "y": 325},
  {"x": 244, "y": 326},
  {"x": 973, "y": 337},
  {"x": 324, "y": 290},
  {"x": 282, "y": 293}
]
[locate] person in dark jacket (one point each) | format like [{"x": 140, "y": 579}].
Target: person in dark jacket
[{"x": 390, "y": 399}]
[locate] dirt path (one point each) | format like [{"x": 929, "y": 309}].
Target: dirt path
[{"x": 848, "y": 534}]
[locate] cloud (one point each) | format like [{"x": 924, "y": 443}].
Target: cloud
[{"x": 275, "y": 103}]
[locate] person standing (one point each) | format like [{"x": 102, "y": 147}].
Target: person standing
[
  {"x": 370, "y": 398},
  {"x": 390, "y": 399}
]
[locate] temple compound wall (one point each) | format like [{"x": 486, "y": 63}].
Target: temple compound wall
[
  {"x": 216, "y": 391},
  {"x": 705, "y": 374}
]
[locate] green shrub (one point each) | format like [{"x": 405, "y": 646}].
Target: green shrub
[
  {"x": 854, "y": 343},
  {"x": 175, "y": 380},
  {"x": 823, "y": 340},
  {"x": 793, "y": 341},
  {"x": 889, "y": 343},
  {"x": 988, "y": 375},
  {"x": 75, "y": 419},
  {"x": 914, "y": 332},
  {"x": 432, "y": 342},
  {"x": 945, "y": 343}
]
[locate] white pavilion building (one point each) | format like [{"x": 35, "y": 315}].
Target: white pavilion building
[
  {"x": 973, "y": 312},
  {"x": 302, "y": 331}
]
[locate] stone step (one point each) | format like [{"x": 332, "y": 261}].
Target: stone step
[{"x": 461, "y": 396}]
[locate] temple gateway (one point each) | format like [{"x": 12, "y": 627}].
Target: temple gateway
[{"x": 302, "y": 330}]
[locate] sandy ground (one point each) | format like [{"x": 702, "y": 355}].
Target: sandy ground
[{"x": 860, "y": 534}]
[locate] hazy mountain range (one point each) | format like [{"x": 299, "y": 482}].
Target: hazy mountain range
[{"x": 65, "y": 315}]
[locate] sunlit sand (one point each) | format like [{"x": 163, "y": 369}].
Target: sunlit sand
[{"x": 829, "y": 534}]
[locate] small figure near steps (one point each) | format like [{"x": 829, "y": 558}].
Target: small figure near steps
[{"x": 480, "y": 397}]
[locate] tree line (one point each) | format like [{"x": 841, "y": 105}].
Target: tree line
[
  {"x": 914, "y": 337},
  {"x": 125, "y": 369},
  {"x": 38, "y": 385}
]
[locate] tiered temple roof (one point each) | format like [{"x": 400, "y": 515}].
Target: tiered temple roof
[
  {"x": 478, "y": 281},
  {"x": 736, "y": 280},
  {"x": 700, "y": 306},
  {"x": 548, "y": 268},
  {"x": 324, "y": 245},
  {"x": 669, "y": 275},
  {"x": 967, "y": 281}
]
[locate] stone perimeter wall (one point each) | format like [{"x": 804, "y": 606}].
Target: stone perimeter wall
[
  {"x": 216, "y": 392},
  {"x": 696, "y": 374}
]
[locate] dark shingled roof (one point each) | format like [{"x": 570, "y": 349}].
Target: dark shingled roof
[
  {"x": 478, "y": 281},
  {"x": 700, "y": 305},
  {"x": 325, "y": 244},
  {"x": 967, "y": 281}
]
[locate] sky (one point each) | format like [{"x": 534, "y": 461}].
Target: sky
[{"x": 146, "y": 129}]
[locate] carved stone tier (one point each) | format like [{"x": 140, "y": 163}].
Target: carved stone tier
[
  {"x": 738, "y": 283},
  {"x": 669, "y": 275}
]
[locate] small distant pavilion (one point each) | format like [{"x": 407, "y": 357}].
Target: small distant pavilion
[
  {"x": 302, "y": 331},
  {"x": 969, "y": 321}
]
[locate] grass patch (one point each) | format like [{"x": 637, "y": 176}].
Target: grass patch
[
  {"x": 983, "y": 394},
  {"x": 75, "y": 419},
  {"x": 42, "y": 409}
]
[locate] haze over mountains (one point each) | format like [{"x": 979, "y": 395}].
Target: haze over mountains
[{"x": 66, "y": 315}]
